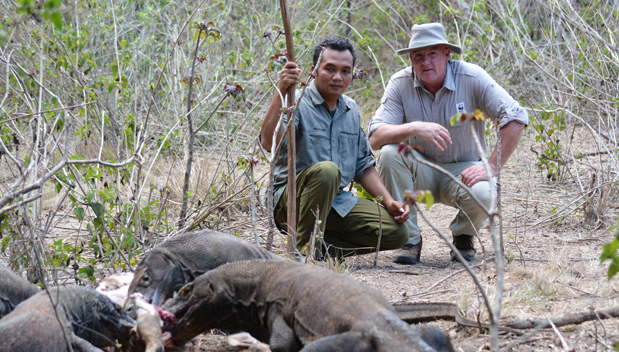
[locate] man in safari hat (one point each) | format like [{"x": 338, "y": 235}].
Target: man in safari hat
[{"x": 416, "y": 108}]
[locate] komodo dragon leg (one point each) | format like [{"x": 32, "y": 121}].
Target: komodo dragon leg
[
  {"x": 80, "y": 345},
  {"x": 434, "y": 337},
  {"x": 283, "y": 338},
  {"x": 362, "y": 342},
  {"x": 348, "y": 341}
]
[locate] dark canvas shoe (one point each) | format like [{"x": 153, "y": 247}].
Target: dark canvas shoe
[
  {"x": 410, "y": 254},
  {"x": 464, "y": 244}
]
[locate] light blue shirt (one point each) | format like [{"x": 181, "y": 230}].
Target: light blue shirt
[
  {"x": 322, "y": 137},
  {"x": 467, "y": 87}
]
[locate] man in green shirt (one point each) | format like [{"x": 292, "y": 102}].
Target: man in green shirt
[{"x": 332, "y": 150}]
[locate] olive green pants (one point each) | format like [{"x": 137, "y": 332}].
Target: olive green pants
[{"x": 317, "y": 186}]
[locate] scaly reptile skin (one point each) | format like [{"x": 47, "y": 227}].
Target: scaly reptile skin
[
  {"x": 13, "y": 290},
  {"x": 301, "y": 307},
  {"x": 180, "y": 259},
  {"x": 85, "y": 317}
]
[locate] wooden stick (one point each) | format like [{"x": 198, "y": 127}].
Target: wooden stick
[
  {"x": 292, "y": 150},
  {"x": 567, "y": 319}
]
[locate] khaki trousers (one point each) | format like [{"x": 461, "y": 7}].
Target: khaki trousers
[
  {"x": 317, "y": 186},
  {"x": 400, "y": 173}
]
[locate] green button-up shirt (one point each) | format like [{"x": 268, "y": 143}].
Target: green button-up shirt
[
  {"x": 467, "y": 87},
  {"x": 322, "y": 137}
]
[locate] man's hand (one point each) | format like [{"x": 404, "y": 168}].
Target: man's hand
[
  {"x": 399, "y": 210},
  {"x": 289, "y": 76},
  {"x": 395, "y": 133},
  {"x": 433, "y": 133},
  {"x": 476, "y": 173}
]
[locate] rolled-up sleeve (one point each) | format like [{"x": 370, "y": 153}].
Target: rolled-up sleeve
[
  {"x": 391, "y": 110},
  {"x": 497, "y": 103},
  {"x": 364, "y": 156}
]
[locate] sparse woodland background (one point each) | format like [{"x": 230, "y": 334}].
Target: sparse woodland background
[{"x": 104, "y": 102}]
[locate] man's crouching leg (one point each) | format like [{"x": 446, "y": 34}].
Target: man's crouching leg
[
  {"x": 358, "y": 231},
  {"x": 317, "y": 186},
  {"x": 470, "y": 219},
  {"x": 400, "y": 173}
]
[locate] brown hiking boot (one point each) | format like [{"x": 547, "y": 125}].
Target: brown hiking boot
[
  {"x": 464, "y": 244},
  {"x": 410, "y": 254}
]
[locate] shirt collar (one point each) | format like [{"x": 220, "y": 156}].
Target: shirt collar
[
  {"x": 448, "y": 83},
  {"x": 312, "y": 92}
]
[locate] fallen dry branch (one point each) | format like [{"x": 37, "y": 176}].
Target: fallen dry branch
[
  {"x": 562, "y": 320},
  {"x": 418, "y": 312}
]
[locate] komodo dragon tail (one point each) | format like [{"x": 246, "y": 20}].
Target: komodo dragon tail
[{"x": 419, "y": 312}]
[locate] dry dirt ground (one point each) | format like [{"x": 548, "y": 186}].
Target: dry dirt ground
[{"x": 552, "y": 264}]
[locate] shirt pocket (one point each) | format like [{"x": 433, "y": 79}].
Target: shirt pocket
[
  {"x": 348, "y": 150},
  {"x": 319, "y": 143},
  {"x": 461, "y": 139}
]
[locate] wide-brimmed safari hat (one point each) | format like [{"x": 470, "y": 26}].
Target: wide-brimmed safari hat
[{"x": 426, "y": 35}]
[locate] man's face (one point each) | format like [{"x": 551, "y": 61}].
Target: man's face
[
  {"x": 430, "y": 65},
  {"x": 334, "y": 74}
]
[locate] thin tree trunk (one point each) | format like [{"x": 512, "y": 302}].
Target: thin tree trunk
[
  {"x": 292, "y": 167},
  {"x": 190, "y": 138}
]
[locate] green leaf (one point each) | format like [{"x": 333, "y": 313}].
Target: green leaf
[
  {"x": 609, "y": 250},
  {"x": 613, "y": 268},
  {"x": 52, "y": 4},
  {"x": 79, "y": 212},
  {"x": 98, "y": 209},
  {"x": 454, "y": 119},
  {"x": 58, "y": 187},
  {"x": 88, "y": 271},
  {"x": 90, "y": 196},
  {"x": 5, "y": 242},
  {"x": 73, "y": 199},
  {"x": 130, "y": 241},
  {"x": 429, "y": 199},
  {"x": 56, "y": 19}
]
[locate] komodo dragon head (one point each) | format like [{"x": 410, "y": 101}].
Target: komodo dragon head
[
  {"x": 158, "y": 276},
  {"x": 203, "y": 305},
  {"x": 189, "y": 302}
]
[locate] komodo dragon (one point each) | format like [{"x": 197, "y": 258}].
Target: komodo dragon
[
  {"x": 180, "y": 259},
  {"x": 88, "y": 319},
  {"x": 302, "y": 307},
  {"x": 13, "y": 290}
]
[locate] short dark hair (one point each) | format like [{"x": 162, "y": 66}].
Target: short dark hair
[{"x": 339, "y": 44}]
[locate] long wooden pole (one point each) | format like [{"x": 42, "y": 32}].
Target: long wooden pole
[{"x": 292, "y": 150}]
